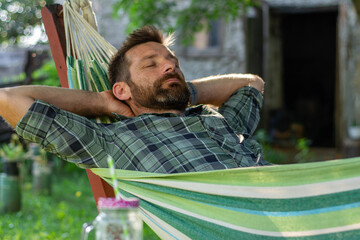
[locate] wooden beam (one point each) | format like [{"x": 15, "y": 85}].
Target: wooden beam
[
  {"x": 99, "y": 186},
  {"x": 54, "y": 28}
]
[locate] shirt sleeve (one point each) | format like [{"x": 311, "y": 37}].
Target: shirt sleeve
[
  {"x": 70, "y": 136},
  {"x": 242, "y": 110}
]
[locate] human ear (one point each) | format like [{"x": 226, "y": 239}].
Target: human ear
[{"x": 121, "y": 91}]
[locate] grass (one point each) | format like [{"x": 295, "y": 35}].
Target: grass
[{"x": 59, "y": 216}]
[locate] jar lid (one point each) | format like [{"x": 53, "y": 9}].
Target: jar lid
[{"x": 113, "y": 203}]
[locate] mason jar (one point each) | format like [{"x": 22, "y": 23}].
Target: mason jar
[{"x": 118, "y": 219}]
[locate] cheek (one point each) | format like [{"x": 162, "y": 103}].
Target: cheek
[
  {"x": 145, "y": 82},
  {"x": 147, "y": 78},
  {"x": 181, "y": 74}
]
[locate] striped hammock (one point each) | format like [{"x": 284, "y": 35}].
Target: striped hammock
[
  {"x": 301, "y": 201},
  {"x": 88, "y": 53}
]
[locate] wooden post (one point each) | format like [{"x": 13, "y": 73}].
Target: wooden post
[{"x": 54, "y": 27}]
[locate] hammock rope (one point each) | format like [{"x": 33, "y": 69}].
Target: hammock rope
[
  {"x": 88, "y": 53},
  {"x": 300, "y": 201}
]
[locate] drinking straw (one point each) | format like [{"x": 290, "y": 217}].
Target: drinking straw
[{"x": 111, "y": 165}]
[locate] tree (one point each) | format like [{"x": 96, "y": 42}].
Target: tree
[
  {"x": 19, "y": 18},
  {"x": 186, "y": 17}
]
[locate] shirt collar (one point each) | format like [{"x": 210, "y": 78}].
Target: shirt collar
[{"x": 189, "y": 111}]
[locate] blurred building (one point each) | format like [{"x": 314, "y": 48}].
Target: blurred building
[
  {"x": 307, "y": 51},
  {"x": 16, "y": 66},
  {"x": 310, "y": 60}
]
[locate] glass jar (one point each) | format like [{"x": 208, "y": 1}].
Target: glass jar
[{"x": 117, "y": 220}]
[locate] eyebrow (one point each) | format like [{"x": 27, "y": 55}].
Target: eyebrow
[
  {"x": 149, "y": 57},
  {"x": 174, "y": 57}
]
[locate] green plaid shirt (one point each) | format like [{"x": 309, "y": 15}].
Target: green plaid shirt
[{"x": 201, "y": 139}]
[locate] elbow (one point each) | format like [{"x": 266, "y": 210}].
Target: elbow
[
  {"x": 258, "y": 83},
  {"x": 13, "y": 106}
]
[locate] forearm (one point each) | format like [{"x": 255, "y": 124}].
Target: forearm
[
  {"x": 216, "y": 90},
  {"x": 15, "y": 101}
]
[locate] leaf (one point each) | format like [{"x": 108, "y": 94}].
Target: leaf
[{"x": 186, "y": 18}]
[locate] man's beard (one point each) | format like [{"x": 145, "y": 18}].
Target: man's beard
[{"x": 174, "y": 97}]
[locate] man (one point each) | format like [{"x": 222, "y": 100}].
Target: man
[{"x": 155, "y": 132}]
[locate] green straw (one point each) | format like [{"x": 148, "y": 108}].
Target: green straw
[{"x": 111, "y": 165}]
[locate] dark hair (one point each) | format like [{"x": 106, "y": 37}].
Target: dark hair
[{"x": 119, "y": 66}]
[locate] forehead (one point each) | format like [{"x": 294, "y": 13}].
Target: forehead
[{"x": 145, "y": 50}]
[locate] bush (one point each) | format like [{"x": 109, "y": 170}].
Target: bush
[
  {"x": 269, "y": 153},
  {"x": 59, "y": 216},
  {"x": 46, "y": 75}
]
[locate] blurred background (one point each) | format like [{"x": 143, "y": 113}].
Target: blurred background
[{"x": 307, "y": 52}]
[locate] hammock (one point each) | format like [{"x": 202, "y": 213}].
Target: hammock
[
  {"x": 88, "y": 54},
  {"x": 301, "y": 201}
]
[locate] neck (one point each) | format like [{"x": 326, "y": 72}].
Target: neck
[{"x": 137, "y": 110}]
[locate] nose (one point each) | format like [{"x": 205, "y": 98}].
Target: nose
[{"x": 169, "y": 66}]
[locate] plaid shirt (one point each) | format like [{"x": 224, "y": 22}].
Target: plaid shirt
[{"x": 201, "y": 139}]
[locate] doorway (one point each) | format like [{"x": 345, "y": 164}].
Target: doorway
[{"x": 309, "y": 72}]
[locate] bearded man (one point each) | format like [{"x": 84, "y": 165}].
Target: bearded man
[{"x": 157, "y": 130}]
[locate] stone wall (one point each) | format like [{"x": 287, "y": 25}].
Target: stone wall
[
  {"x": 12, "y": 63},
  {"x": 231, "y": 59}
]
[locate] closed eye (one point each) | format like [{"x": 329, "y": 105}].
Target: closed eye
[{"x": 149, "y": 65}]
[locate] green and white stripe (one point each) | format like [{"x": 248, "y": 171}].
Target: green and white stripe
[{"x": 301, "y": 201}]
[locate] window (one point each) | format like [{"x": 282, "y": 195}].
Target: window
[{"x": 208, "y": 42}]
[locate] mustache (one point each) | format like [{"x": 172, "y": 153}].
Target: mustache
[{"x": 168, "y": 76}]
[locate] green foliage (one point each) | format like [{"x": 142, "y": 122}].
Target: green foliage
[
  {"x": 18, "y": 18},
  {"x": 13, "y": 151},
  {"x": 144, "y": 12},
  {"x": 304, "y": 154},
  {"x": 269, "y": 153},
  {"x": 355, "y": 123},
  {"x": 302, "y": 150},
  {"x": 55, "y": 217},
  {"x": 46, "y": 75},
  {"x": 170, "y": 15},
  {"x": 14, "y": 79}
]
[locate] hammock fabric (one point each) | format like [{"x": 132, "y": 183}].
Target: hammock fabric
[
  {"x": 301, "y": 201},
  {"x": 88, "y": 54}
]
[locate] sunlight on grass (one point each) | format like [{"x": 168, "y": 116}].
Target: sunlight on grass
[{"x": 59, "y": 216}]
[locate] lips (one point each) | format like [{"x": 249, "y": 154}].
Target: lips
[
  {"x": 170, "y": 77},
  {"x": 171, "y": 80}
]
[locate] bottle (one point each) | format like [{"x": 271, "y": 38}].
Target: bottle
[
  {"x": 10, "y": 189},
  {"x": 117, "y": 220}
]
